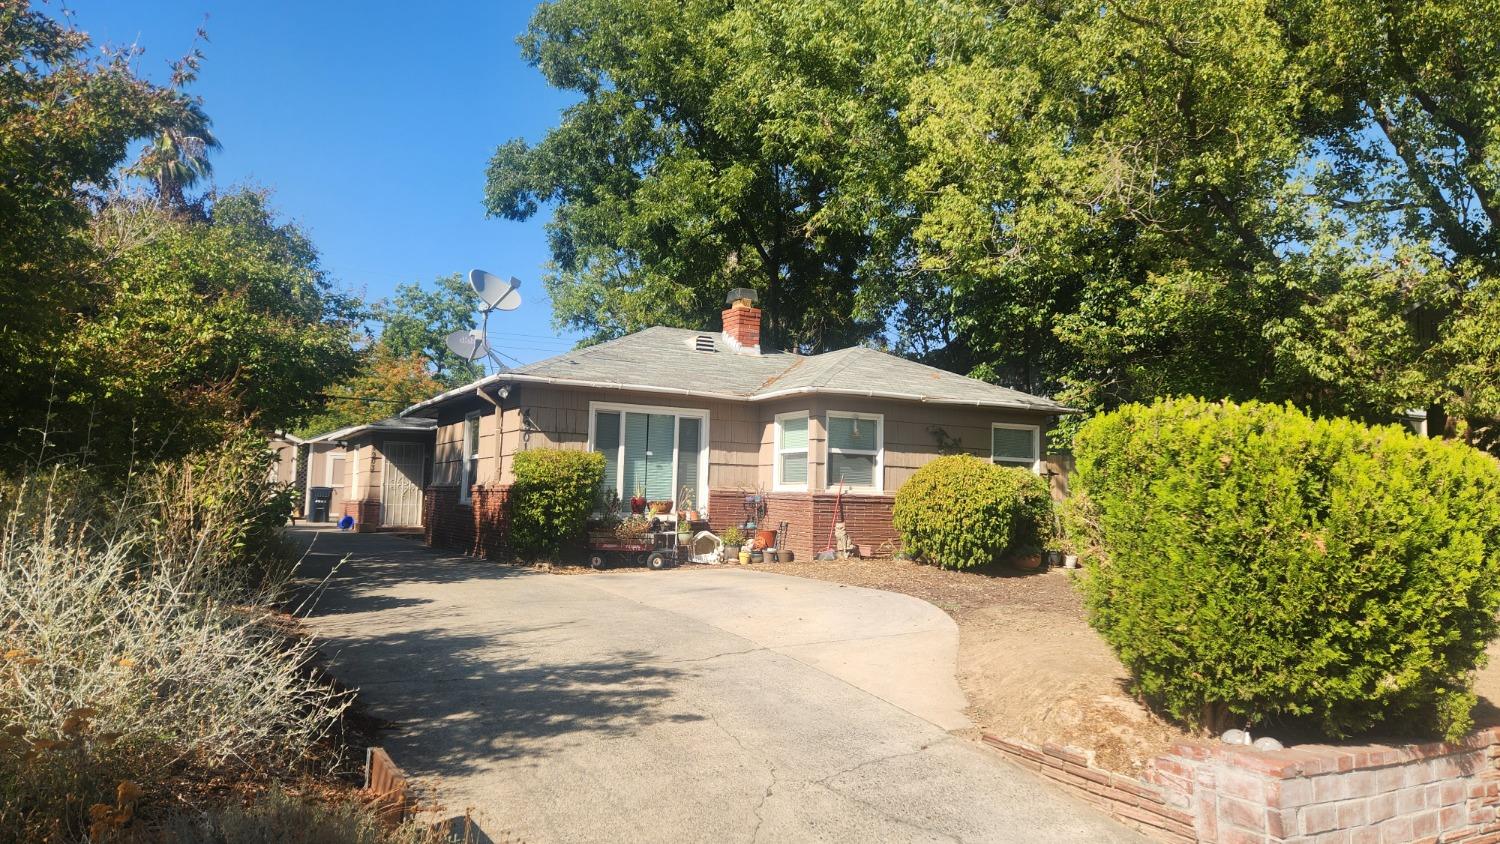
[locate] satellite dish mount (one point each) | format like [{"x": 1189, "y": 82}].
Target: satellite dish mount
[{"x": 497, "y": 294}]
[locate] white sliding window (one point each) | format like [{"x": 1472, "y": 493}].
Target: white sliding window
[
  {"x": 791, "y": 451},
  {"x": 1016, "y": 445},
  {"x": 659, "y": 452},
  {"x": 855, "y": 451}
]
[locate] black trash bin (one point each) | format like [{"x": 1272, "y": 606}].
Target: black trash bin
[{"x": 322, "y": 500}]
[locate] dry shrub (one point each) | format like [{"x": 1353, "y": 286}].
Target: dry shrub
[
  {"x": 286, "y": 818},
  {"x": 138, "y": 644}
]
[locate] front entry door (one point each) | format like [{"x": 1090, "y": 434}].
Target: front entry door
[{"x": 401, "y": 489}]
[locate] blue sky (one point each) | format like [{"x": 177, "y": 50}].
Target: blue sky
[{"x": 372, "y": 122}]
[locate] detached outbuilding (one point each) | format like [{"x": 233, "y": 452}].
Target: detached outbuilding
[
  {"x": 375, "y": 473},
  {"x": 714, "y": 419}
]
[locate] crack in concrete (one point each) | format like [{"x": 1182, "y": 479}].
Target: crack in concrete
[
  {"x": 823, "y": 781},
  {"x": 765, "y": 760}
]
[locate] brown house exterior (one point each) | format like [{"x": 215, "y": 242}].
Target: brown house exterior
[
  {"x": 711, "y": 418},
  {"x": 376, "y": 472}
]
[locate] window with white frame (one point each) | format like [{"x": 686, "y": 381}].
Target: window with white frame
[
  {"x": 469, "y": 471},
  {"x": 791, "y": 451},
  {"x": 1016, "y": 445},
  {"x": 660, "y": 453},
  {"x": 335, "y": 468},
  {"x": 855, "y": 451}
]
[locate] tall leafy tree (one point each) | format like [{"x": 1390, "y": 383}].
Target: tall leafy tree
[
  {"x": 67, "y": 117},
  {"x": 719, "y": 145},
  {"x": 1286, "y": 200},
  {"x": 417, "y": 321},
  {"x": 206, "y": 323}
]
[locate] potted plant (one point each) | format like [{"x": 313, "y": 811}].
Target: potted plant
[
  {"x": 733, "y": 538},
  {"x": 638, "y": 501},
  {"x": 1026, "y": 559},
  {"x": 632, "y": 529},
  {"x": 756, "y": 555}
]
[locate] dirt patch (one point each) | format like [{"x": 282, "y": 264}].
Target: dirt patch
[{"x": 1028, "y": 662}]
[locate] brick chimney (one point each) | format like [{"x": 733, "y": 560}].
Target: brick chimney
[{"x": 742, "y": 321}]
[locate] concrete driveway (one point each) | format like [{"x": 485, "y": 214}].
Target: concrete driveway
[{"x": 691, "y": 705}]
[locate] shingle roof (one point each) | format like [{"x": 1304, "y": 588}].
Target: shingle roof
[
  {"x": 391, "y": 423},
  {"x": 668, "y": 360}
]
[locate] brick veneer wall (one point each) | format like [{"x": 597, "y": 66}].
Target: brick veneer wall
[
  {"x": 866, "y": 517},
  {"x": 478, "y": 528},
  {"x": 366, "y": 515},
  {"x": 1310, "y": 794},
  {"x": 809, "y": 517}
]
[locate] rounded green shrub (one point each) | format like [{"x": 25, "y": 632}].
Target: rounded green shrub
[
  {"x": 1261, "y": 566},
  {"x": 960, "y": 512},
  {"x": 550, "y": 501}
]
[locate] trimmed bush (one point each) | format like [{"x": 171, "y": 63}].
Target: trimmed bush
[
  {"x": 554, "y": 492},
  {"x": 1260, "y": 566},
  {"x": 961, "y": 512}
]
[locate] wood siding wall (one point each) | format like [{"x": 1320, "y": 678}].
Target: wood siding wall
[{"x": 741, "y": 434}]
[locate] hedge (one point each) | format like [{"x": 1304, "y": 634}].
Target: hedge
[
  {"x": 1260, "y": 566},
  {"x": 553, "y": 494},
  {"x": 961, "y": 512}
]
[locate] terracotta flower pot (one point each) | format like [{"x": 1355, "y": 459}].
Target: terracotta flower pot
[
  {"x": 1027, "y": 560},
  {"x": 638, "y": 505}
]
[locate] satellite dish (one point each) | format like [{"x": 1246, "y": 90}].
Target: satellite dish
[
  {"x": 497, "y": 293},
  {"x": 469, "y": 345}
]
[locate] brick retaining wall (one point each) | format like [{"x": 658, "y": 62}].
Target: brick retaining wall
[{"x": 1309, "y": 794}]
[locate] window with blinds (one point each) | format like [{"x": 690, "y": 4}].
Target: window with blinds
[
  {"x": 655, "y": 452},
  {"x": 791, "y": 451},
  {"x": 1015, "y": 445},
  {"x": 854, "y": 451}
]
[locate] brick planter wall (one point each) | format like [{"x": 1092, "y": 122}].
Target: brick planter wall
[
  {"x": 366, "y": 515},
  {"x": 1310, "y": 794},
  {"x": 477, "y": 528},
  {"x": 809, "y": 517}
]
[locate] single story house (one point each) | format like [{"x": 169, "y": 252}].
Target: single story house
[
  {"x": 374, "y": 473},
  {"x": 714, "y": 418}
]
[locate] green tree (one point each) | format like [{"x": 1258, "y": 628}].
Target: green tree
[
  {"x": 177, "y": 157},
  {"x": 719, "y": 145},
  {"x": 1286, "y": 200},
  {"x": 383, "y": 384},
  {"x": 418, "y": 321},
  {"x": 67, "y": 117},
  {"x": 203, "y": 324}
]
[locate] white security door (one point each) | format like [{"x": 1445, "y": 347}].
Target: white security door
[{"x": 401, "y": 488}]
